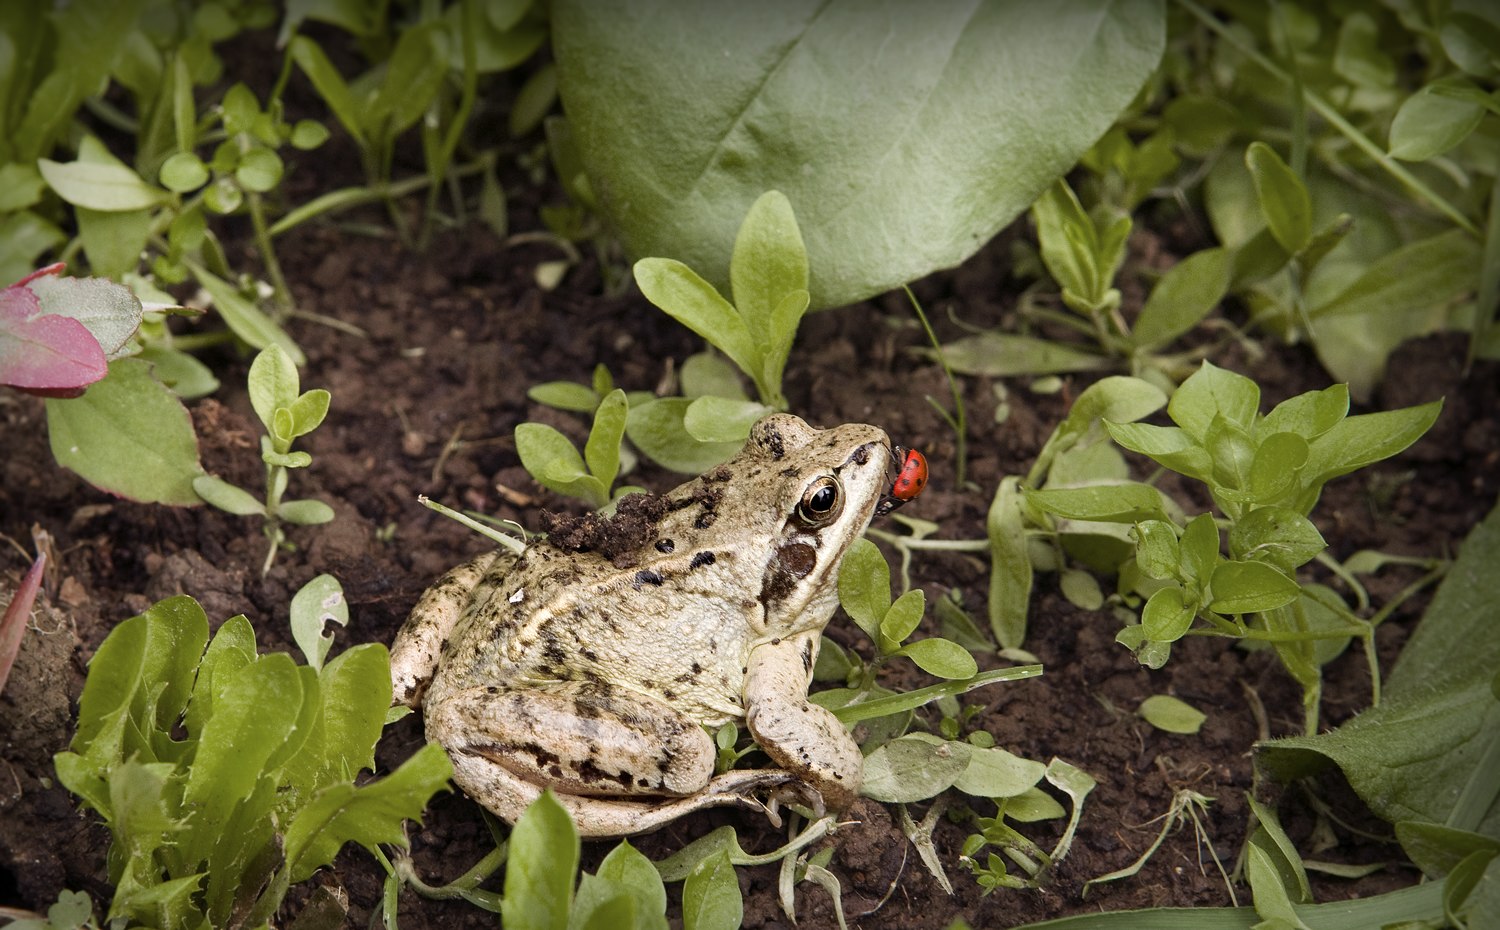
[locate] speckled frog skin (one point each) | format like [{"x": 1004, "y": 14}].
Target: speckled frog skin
[{"x": 563, "y": 670}]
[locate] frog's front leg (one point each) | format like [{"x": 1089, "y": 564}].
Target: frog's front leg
[
  {"x": 414, "y": 654},
  {"x": 801, "y": 737},
  {"x": 585, "y": 740}
]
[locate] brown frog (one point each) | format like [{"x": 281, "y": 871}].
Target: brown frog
[{"x": 563, "y": 670}]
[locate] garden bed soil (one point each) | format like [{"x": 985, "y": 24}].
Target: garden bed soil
[{"x": 426, "y": 403}]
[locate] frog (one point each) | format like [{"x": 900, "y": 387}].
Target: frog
[{"x": 601, "y": 677}]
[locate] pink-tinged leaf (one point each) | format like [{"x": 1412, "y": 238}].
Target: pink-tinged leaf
[
  {"x": 52, "y": 356},
  {"x": 52, "y": 269},
  {"x": 13, "y": 624}
]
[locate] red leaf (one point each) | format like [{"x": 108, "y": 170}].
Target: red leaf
[
  {"x": 45, "y": 354},
  {"x": 13, "y": 624}
]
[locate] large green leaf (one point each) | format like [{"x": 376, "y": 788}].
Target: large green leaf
[
  {"x": 904, "y": 135},
  {"x": 1420, "y": 754},
  {"x": 129, "y": 435}
]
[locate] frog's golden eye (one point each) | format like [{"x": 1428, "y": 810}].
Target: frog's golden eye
[{"x": 821, "y": 502}]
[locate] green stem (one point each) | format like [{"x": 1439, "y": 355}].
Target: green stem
[
  {"x": 959, "y": 420},
  {"x": 282, "y": 291},
  {"x": 1327, "y": 111},
  {"x": 439, "y": 168},
  {"x": 1488, "y": 301}
]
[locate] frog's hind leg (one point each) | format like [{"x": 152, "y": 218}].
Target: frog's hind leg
[
  {"x": 508, "y": 795},
  {"x": 595, "y": 746},
  {"x": 414, "y": 654}
]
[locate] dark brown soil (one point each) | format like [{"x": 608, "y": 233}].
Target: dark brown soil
[{"x": 427, "y": 403}]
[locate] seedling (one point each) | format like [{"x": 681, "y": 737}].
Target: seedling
[
  {"x": 225, "y": 776},
  {"x": 286, "y": 415},
  {"x": 554, "y": 461},
  {"x": 768, "y": 275},
  {"x": 1265, "y": 473}
]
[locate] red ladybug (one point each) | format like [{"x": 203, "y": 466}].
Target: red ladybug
[{"x": 912, "y": 477}]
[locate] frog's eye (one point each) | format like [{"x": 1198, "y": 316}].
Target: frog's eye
[{"x": 821, "y": 502}]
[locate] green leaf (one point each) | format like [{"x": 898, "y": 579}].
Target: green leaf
[
  {"x": 1362, "y": 440},
  {"x": 1212, "y": 391},
  {"x": 900, "y": 157},
  {"x": 656, "y": 429},
  {"x": 1168, "y": 445},
  {"x": 624, "y": 871},
  {"x": 317, "y": 604},
  {"x": 1358, "y": 57},
  {"x": 1010, "y": 566},
  {"x": 941, "y": 657},
  {"x": 1003, "y": 355},
  {"x": 1185, "y": 294},
  {"x": 105, "y": 185},
  {"x": 1283, "y": 197},
  {"x": 308, "y": 411},
  {"x": 914, "y": 768},
  {"x": 109, "y": 311},
  {"x": 1167, "y": 616},
  {"x": 564, "y": 395},
  {"x": 229, "y": 498},
  {"x": 687, "y": 298},
  {"x": 1157, "y": 552},
  {"x": 1276, "y": 465},
  {"x": 113, "y": 241},
  {"x": 865, "y": 586},
  {"x": 995, "y": 773},
  {"x": 413, "y": 74},
  {"x": 708, "y": 374},
  {"x": 259, "y": 169},
  {"x": 129, "y": 435},
  {"x": 1199, "y": 546},
  {"x": 305, "y": 512},
  {"x": 1250, "y": 587},
  {"x": 1426, "y": 273},
  {"x": 1278, "y": 536},
  {"x": 273, "y": 384},
  {"x": 902, "y": 619},
  {"x": 1420, "y": 754},
  {"x": 540, "y": 871},
  {"x": 1171, "y": 714},
  {"x": 1309, "y": 415},
  {"x": 1431, "y": 123},
  {"x": 555, "y": 463},
  {"x": 711, "y": 895},
  {"x": 244, "y": 318},
  {"x": 722, "y": 419},
  {"x": 1119, "y": 503},
  {"x": 768, "y": 262},
  {"x": 601, "y": 451},
  {"x": 374, "y": 813},
  {"x": 255, "y": 711},
  {"x": 330, "y": 86}
]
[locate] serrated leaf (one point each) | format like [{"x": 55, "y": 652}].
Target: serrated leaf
[
  {"x": 369, "y": 814},
  {"x": 667, "y": 125}
]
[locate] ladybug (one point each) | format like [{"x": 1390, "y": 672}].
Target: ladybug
[{"x": 912, "y": 478}]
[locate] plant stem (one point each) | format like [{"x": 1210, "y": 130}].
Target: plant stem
[
  {"x": 959, "y": 420},
  {"x": 268, "y": 254}
]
